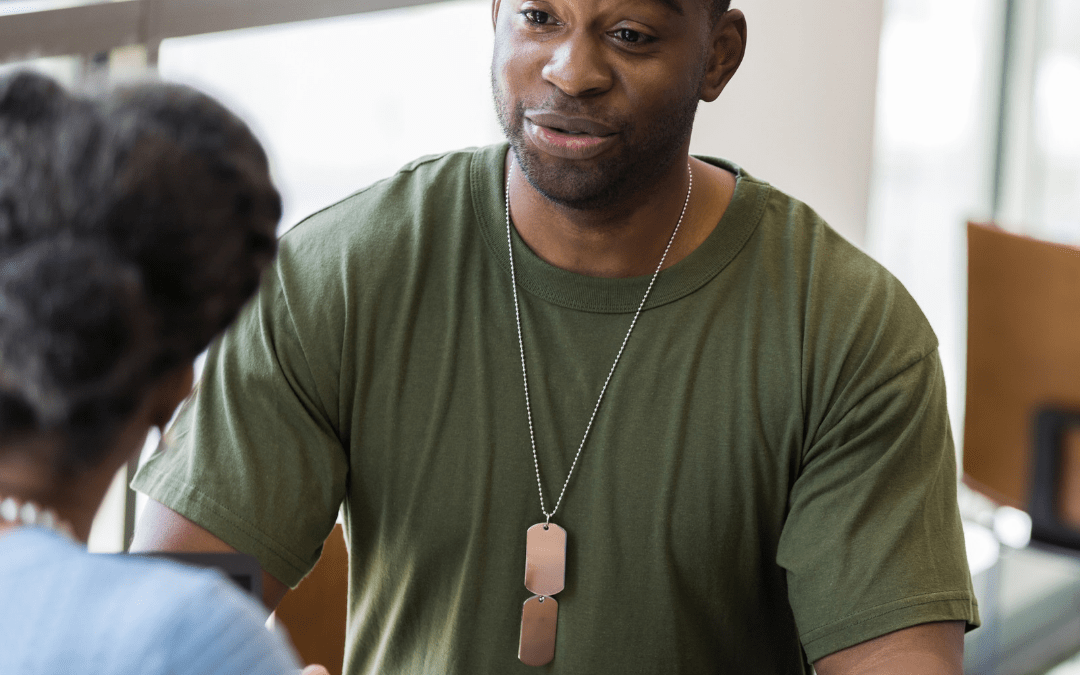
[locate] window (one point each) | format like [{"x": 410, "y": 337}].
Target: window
[
  {"x": 1044, "y": 133},
  {"x": 340, "y": 103},
  {"x": 933, "y": 158},
  {"x": 977, "y": 115}
]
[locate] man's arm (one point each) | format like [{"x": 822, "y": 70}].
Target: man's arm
[
  {"x": 162, "y": 529},
  {"x": 926, "y": 649}
]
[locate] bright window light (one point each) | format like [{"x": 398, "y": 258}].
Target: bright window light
[
  {"x": 1012, "y": 527},
  {"x": 1057, "y": 105},
  {"x": 343, "y": 102}
]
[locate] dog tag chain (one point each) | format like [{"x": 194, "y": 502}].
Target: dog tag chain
[{"x": 545, "y": 543}]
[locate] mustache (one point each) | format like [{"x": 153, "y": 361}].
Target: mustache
[
  {"x": 512, "y": 113},
  {"x": 566, "y": 106}
]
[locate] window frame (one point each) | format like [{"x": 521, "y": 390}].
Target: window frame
[{"x": 87, "y": 30}]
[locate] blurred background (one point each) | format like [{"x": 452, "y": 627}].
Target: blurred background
[{"x": 898, "y": 120}]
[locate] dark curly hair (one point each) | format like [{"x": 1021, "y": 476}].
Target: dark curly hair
[{"x": 134, "y": 225}]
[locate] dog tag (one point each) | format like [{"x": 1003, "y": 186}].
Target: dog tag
[
  {"x": 545, "y": 559},
  {"x": 539, "y": 618}
]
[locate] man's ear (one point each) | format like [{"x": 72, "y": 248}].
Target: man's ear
[
  {"x": 726, "y": 53},
  {"x": 495, "y": 12}
]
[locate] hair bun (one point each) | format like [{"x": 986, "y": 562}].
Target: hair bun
[
  {"x": 134, "y": 225},
  {"x": 72, "y": 318},
  {"x": 29, "y": 97}
]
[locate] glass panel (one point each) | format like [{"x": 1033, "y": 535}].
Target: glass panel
[
  {"x": 342, "y": 102},
  {"x": 107, "y": 532},
  {"x": 933, "y": 158},
  {"x": 1053, "y": 183},
  {"x": 1070, "y": 667}
]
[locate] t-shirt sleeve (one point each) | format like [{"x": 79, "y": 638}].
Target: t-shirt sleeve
[
  {"x": 873, "y": 541},
  {"x": 254, "y": 455}
]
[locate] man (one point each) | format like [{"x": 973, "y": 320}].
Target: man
[{"x": 744, "y": 462}]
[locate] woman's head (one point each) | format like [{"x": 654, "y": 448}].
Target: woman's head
[{"x": 134, "y": 225}]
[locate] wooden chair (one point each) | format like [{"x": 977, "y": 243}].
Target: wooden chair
[
  {"x": 314, "y": 612},
  {"x": 1022, "y": 419}
]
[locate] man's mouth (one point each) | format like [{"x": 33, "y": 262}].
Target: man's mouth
[
  {"x": 568, "y": 138},
  {"x": 570, "y": 124}
]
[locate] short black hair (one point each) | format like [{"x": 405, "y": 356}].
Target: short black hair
[
  {"x": 134, "y": 225},
  {"x": 717, "y": 8}
]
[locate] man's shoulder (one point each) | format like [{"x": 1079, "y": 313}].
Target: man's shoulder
[
  {"x": 788, "y": 232},
  {"x": 400, "y": 198},
  {"x": 830, "y": 265},
  {"x": 792, "y": 224},
  {"x": 849, "y": 305},
  {"x": 389, "y": 231}
]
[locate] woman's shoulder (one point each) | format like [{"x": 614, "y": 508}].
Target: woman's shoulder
[
  {"x": 121, "y": 614},
  {"x": 203, "y": 622}
]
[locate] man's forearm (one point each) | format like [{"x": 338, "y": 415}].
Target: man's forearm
[{"x": 927, "y": 649}]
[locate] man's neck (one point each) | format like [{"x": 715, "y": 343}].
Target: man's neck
[{"x": 628, "y": 239}]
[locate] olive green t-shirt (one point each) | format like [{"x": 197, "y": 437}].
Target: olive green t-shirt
[{"x": 770, "y": 477}]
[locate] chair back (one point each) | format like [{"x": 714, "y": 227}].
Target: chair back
[
  {"x": 1022, "y": 416},
  {"x": 314, "y": 612}
]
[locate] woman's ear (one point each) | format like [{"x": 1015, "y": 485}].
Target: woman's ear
[{"x": 726, "y": 53}]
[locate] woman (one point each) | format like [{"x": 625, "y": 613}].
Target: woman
[{"x": 134, "y": 225}]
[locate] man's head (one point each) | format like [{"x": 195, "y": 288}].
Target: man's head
[
  {"x": 716, "y": 9},
  {"x": 598, "y": 97}
]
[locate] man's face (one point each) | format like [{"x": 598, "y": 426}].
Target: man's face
[{"x": 597, "y": 97}]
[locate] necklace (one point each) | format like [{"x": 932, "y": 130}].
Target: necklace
[
  {"x": 26, "y": 513},
  {"x": 545, "y": 543}
]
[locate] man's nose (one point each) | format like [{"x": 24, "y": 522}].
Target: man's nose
[{"x": 577, "y": 66}]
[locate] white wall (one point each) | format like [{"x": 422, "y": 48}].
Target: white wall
[{"x": 800, "y": 111}]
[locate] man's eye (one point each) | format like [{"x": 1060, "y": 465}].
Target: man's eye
[
  {"x": 537, "y": 17},
  {"x": 631, "y": 36}
]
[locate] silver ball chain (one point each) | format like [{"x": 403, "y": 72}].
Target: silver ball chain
[{"x": 521, "y": 345}]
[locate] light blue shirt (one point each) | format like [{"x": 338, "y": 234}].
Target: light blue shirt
[{"x": 64, "y": 611}]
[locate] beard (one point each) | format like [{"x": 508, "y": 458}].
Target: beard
[{"x": 646, "y": 151}]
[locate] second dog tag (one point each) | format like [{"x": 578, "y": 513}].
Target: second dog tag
[{"x": 539, "y": 618}]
